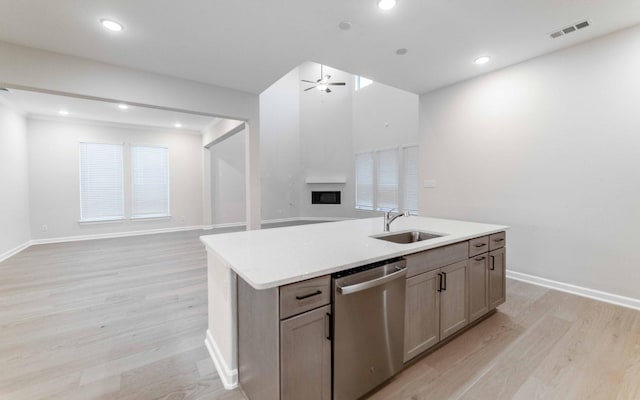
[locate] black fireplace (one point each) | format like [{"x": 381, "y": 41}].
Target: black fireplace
[{"x": 325, "y": 197}]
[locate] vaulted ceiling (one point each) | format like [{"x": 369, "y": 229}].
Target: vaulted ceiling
[{"x": 249, "y": 44}]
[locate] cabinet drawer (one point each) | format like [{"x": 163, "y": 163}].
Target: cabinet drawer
[
  {"x": 497, "y": 240},
  {"x": 304, "y": 296},
  {"x": 431, "y": 259},
  {"x": 478, "y": 246}
]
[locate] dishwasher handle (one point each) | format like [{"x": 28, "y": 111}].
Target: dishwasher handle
[{"x": 358, "y": 287}]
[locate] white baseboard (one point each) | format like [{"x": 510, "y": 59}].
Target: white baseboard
[
  {"x": 228, "y": 376},
  {"x": 15, "y": 250},
  {"x": 114, "y": 235},
  {"x": 64, "y": 239},
  {"x": 577, "y": 290},
  {"x": 328, "y": 219},
  {"x": 227, "y": 225}
]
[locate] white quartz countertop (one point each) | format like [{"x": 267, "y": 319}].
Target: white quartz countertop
[{"x": 273, "y": 257}]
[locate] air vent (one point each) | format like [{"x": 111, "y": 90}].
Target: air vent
[{"x": 570, "y": 29}]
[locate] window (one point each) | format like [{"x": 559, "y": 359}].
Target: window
[
  {"x": 387, "y": 179},
  {"x": 101, "y": 187},
  {"x": 149, "y": 181},
  {"x": 362, "y": 82},
  {"x": 364, "y": 181},
  {"x": 410, "y": 179}
]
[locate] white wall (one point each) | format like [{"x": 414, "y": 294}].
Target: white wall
[
  {"x": 14, "y": 181},
  {"x": 384, "y": 117},
  {"x": 54, "y": 176},
  {"x": 550, "y": 147},
  {"x": 29, "y": 68},
  {"x": 280, "y": 157},
  {"x": 227, "y": 180},
  {"x": 311, "y": 134},
  {"x": 326, "y": 142}
]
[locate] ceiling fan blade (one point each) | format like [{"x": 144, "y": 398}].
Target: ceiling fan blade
[
  {"x": 337, "y": 83},
  {"x": 309, "y": 88},
  {"x": 304, "y": 80}
]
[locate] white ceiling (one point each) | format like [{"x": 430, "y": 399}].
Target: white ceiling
[
  {"x": 249, "y": 44},
  {"x": 48, "y": 105}
]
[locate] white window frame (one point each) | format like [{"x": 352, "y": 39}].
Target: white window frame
[
  {"x": 373, "y": 182},
  {"x": 376, "y": 163},
  {"x": 83, "y": 219},
  {"x": 401, "y": 200},
  {"x": 149, "y": 216},
  {"x": 403, "y": 183}
]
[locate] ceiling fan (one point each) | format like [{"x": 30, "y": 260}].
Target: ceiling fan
[{"x": 323, "y": 83}]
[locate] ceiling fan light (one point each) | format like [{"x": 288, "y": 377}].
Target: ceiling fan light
[{"x": 322, "y": 86}]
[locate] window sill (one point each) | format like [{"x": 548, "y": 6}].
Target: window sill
[
  {"x": 101, "y": 221},
  {"x": 151, "y": 217}
]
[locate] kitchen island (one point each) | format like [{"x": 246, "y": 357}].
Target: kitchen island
[{"x": 260, "y": 263}]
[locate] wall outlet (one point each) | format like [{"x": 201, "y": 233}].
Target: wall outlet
[
  {"x": 44, "y": 228},
  {"x": 429, "y": 183}
]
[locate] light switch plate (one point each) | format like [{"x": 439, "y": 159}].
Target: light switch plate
[{"x": 429, "y": 183}]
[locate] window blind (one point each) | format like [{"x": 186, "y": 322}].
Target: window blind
[
  {"x": 150, "y": 181},
  {"x": 364, "y": 181},
  {"x": 101, "y": 187},
  {"x": 410, "y": 179},
  {"x": 387, "y": 179}
]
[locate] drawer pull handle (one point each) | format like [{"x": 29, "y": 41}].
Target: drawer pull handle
[
  {"x": 493, "y": 263},
  {"x": 440, "y": 282},
  {"x": 306, "y": 296},
  {"x": 444, "y": 274},
  {"x": 327, "y": 326},
  {"x": 480, "y": 244},
  {"x": 498, "y": 239},
  {"x": 480, "y": 258}
]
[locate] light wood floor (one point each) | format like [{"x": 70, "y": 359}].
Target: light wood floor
[{"x": 125, "y": 319}]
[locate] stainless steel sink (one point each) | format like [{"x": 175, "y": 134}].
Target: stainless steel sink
[{"x": 407, "y": 237}]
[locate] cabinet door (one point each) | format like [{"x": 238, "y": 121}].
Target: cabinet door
[
  {"x": 478, "y": 286},
  {"x": 421, "y": 314},
  {"x": 305, "y": 355},
  {"x": 454, "y": 312},
  {"x": 497, "y": 269}
]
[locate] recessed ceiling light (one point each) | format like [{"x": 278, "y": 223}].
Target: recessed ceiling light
[
  {"x": 402, "y": 51},
  {"x": 482, "y": 60},
  {"x": 386, "y": 4},
  {"x": 178, "y": 125},
  {"x": 63, "y": 112},
  {"x": 111, "y": 25},
  {"x": 123, "y": 106}
]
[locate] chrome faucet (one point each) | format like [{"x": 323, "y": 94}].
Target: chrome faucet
[{"x": 388, "y": 219}]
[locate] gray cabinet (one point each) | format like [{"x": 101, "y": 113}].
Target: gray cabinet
[
  {"x": 305, "y": 356},
  {"x": 450, "y": 287},
  {"x": 478, "y": 286},
  {"x": 436, "y": 307},
  {"x": 454, "y": 313},
  {"x": 284, "y": 350},
  {"x": 497, "y": 284},
  {"x": 486, "y": 274},
  {"x": 422, "y": 314}
]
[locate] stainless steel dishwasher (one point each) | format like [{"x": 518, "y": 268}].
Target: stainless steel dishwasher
[{"x": 368, "y": 329}]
